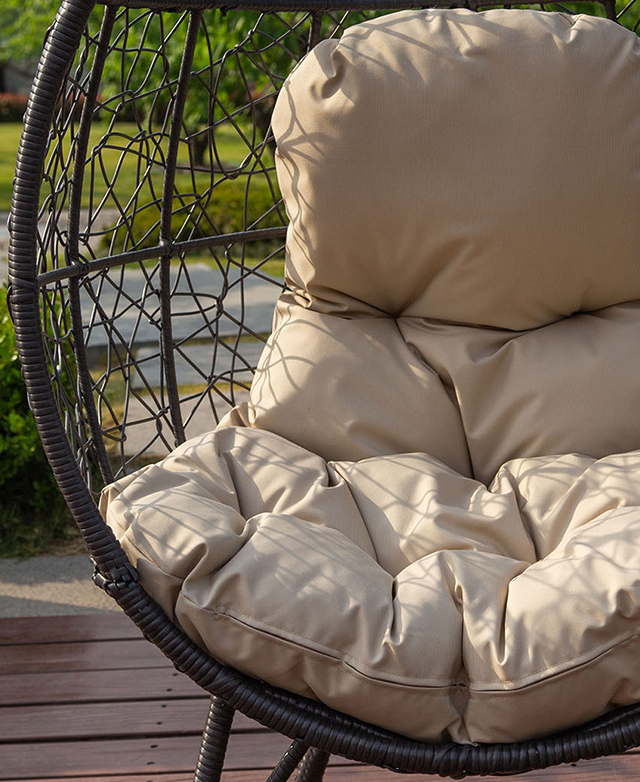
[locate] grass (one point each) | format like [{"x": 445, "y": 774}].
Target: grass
[
  {"x": 9, "y": 141},
  {"x": 126, "y": 160},
  {"x": 123, "y": 159},
  {"x": 271, "y": 268},
  {"x": 57, "y": 535}
]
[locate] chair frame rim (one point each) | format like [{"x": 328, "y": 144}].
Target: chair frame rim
[{"x": 310, "y": 724}]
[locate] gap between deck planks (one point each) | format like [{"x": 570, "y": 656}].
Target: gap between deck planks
[{"x": 85, "y": 699}]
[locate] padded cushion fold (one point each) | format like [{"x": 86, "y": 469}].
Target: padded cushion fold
[
  {"x": 569, "y": 387},
  {"x": 480, "y": 168},
  {"x": 350, "y": 388},
  {"x": 395, "y": 589}
]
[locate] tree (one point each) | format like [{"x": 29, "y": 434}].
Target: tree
[
  {"x": 149, "y": 49},
  {"x": 23, "y": 27},
  {"x": 240, "y": 60}
]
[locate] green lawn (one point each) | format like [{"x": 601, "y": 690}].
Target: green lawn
[
  {"x": 126, "y": 159},
  {"x": 9, "y": 140},
  {"x": 272, "y": 268}
]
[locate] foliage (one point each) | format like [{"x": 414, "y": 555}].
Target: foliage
[
  {"x": 32, "y": 511},
  {"x": 12, "y": 107},
  {"x": 151, "y": 49},
  {"x": 233, "y": 66},
  {"x": 225, "y": 213},
  {"x": 23, "y": 27}
]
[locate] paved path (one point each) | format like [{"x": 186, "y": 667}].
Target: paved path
[
  {"x": 251, "y": 301},
  {"x": 107, "y": 217},
  {"x": 50, "y": 586}
]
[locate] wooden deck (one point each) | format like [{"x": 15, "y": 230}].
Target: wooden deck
[{"x": 85, "y": 698}]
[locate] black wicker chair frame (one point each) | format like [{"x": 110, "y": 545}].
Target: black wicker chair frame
[{"x": 90, "y": 345}]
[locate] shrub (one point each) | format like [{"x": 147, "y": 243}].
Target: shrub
[
  {"x": 12, "y": 107},
  {"x": 32, "y": 512},
  {"x": 224, "y": 214}
]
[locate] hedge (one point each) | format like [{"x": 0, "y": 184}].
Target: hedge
[
  {"x": 224, "y": 213},
  {"x": 32, "y": 512}
]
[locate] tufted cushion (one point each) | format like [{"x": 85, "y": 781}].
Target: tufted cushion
[
  {"x": 395, "y": 589},
  {"x": 428, "y": 515}
]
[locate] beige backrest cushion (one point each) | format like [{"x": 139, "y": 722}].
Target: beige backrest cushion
[
  {"x": 477, "y": 168},
  {"x": 463, "y": 188}
]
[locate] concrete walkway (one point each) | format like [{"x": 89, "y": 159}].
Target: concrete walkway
[{"x": 50, "y": 586}]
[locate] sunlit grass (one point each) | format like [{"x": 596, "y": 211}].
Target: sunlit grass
[
  {"x": 131, "y": 162},
  {"x": 9, "y": 141},
  {"x": 271, "y": 268},
  {"x": 128, "y": 159}
]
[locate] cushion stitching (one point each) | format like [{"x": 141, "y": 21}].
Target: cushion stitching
[
  {"x": 339, "y": 657},
  {"x": 234, "y": 614}
]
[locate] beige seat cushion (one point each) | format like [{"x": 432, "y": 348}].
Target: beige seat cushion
[{"x": 395, "y": 589}]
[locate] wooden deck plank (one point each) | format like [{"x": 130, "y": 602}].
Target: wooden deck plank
[
  {"x": 89, "y": 686},
  {"x": 80, "y": 656},
  {"x": 108, "y": 720},
  {"x": 333, "y": 774},
  {"x": 616, "y": 769},
  {"x": 353, "y": 773},
  {"x": 133, "y": 756},
  {"x": 67, "y": 629},
  {"x": 136, "y": 719}
]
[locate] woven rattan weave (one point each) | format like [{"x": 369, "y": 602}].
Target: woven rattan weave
[{"x": 146, "y": 254}]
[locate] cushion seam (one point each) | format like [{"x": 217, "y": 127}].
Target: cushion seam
[
  {"x": 339, "y": 656},
  {"x": 342, "y": 656}
]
